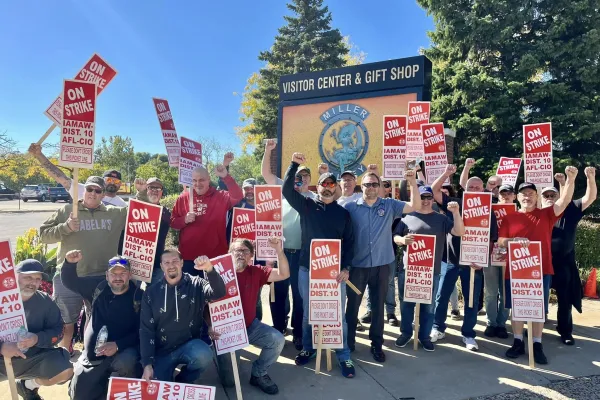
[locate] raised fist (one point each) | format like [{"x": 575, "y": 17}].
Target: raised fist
[
  {"x": 270, "y": 144},
  {"x": 470, "y": 162},
  {"x": 203, "y": 263},
  {"x": 221, "y": 171},
  {"x": 140, "y": 184},
  {"x": 571, "y": 172},
  {"x": 560, "y": 178},
  {"x": 373, "y": 168},
  {"x": 590, "y": 172},
  {"x": 73, "y": 256},
  {"x": 227, "y": 158},
  {"x": 450, "y": 169},
  {"x": 275, "y": 243},
  {"x": 323, "y": 168},
  {"x": 410, "y": 176},
  {"x": 298, "y": 158},
  {"x": 453, "y": 207}
]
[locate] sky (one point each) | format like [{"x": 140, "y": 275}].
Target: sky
[{"x": 195, "y": 54}]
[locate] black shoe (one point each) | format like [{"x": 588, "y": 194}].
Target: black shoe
[
  {"x": 568, "y": 340},
  {"x": 392, "y": 320},
  {"x": 455, "y": 315},
  {"x": 25, "y": 393},
  {"x": 378, "y": 354},
  {"x": 517, "y": 349},
  {"x": 501, "y": 332},
  {"x": 265, "y": 384},
  {"x": 348, "y": 369},
  {"x": 538, "y": 354},
  {"x": 360, "y": 327},
  {"x": 427, "y": 345},
  {"x": 297, "y": 343},
  {"x": 402, "y": 341},
  {"x": 490, "y": 331},
  {"x": 366, "y": 319},
  {"x": 304, "y": 357}
]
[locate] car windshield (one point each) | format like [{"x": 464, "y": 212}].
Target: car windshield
[{"x": 30, "y": 187}]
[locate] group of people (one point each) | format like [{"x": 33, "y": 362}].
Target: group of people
[{"x": 162, "y": 330}]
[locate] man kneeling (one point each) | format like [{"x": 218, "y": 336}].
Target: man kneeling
[
  {"x": 251, "y": 278},
  {"x": 36, "y": 361}
]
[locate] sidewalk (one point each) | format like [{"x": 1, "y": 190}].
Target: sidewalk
[{"x": 449, "y": 373}]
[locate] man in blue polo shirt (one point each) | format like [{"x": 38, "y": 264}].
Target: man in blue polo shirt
[{"x": 372, "y": 219}]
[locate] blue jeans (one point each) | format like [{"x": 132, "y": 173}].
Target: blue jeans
[
  {"x": 407, "y": 311},
  {"x": 497, "y": 314},
  {"x": 303, "y": 278},
  {"x": 262, "y": 336},
  {"x": 448, "y": 277},
  {"x": 194, "y": 354},
  {"x": 390, "y": 298},
  {"x": 454, "y": 299}
]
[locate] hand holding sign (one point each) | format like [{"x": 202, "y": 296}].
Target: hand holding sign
[
  {"x": 203, "y": 263},
  {"x": 407, "y": 240},
  {"x": 148, "y": 373},
  {"x": 221, "y": 171},
  {"x": 10, "y": 350},
  {"x": 571, "y": 172},
  {"x": 343, "y": 276},
  {"x": 522, "y": 241},
  {"x": 29, "y": 342},
  {"x": 190, "y": 217},
  {"x": 411, "y": 177},
  {"x": 298, "y": 158},
  {"x": 476, "y": 267},
  {"x": 74, "y": 256},
  {"x": 214, "y": 335},
  {"x": 108, "y": 349},
  {"x": 35, "y": 148},
  {"x": 73, "y": 222},
  {"x": 227, "y": 158},
  {"x": 590, "y": 172}
]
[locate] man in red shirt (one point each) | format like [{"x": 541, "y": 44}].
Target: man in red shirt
[
  {"x": 251, "y": 279},
  {"x": 202, "y": 231},
  {"x": 534, "y": 224}
]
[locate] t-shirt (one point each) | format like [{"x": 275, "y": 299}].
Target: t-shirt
[
  {"x": 563, "y": 234},
  {"x": 433, "y": 223},
  {"x": 535, "y": 226},
  {"x": 43, "y": 318},
  {"x": 250, "y": 282},
  {"x": 347, "y": 199},
  {"x": 107, "y": 201},
  {"x": 292, "y": 232}
]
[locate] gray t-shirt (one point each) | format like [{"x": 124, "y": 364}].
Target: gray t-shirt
[{"x": 427, "y": 224}]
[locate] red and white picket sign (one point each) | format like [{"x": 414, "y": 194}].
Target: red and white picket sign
[
  {"x": 243, "y": 224},
  {"x": 97, "y": 71},
  {"x": 537, "y": 146},
  {"x": 508, "y": 169},
  {"x": 226, "y": 314},
  {"x": 434, "y": 146},
  {"x": 500, "y": 211},
  {"x": 394, "y": 146},
  {"x": 141, "y": 237},
  {"x": 418, "y": 114},
  {"x": 190, "y": 157},
  {"x": 139, "y": 389},
  {"x": 268, "y": 219},
  {"x": 526, "y": 282},
  {"x": 12, "y": 314},
  {"x": 167, "y": 126},
  {"x": 419, "y": 270},
  {"x": 325, "y": 295},
  {"x": 477, "y": 216},
  {"x": 78, "y": 127}
]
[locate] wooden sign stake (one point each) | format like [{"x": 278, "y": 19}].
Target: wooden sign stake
[
  {"x": 319, "y": 348},
  {"x": 471, "y": 287},
  {"x": 530, "y": 344},
  {"x": 329, "y": 366},
  {"x": 236, "y": 376},
  {"x": 351, "y": 286},
  {"x": 45, "y": 136},
  {"x": 75, "y": 187},
  {"x": 10, "y": 373},
  {"x": 416, "y": 334}
]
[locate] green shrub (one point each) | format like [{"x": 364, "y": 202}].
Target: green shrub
[
  {"x": 173, "y": 236},
  {"x": 586, "y": 245},
  {"x": 29, "y": 246}
]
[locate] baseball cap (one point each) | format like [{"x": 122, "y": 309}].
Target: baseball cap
[
  {"x": 154, "y": 180},
  {"x": 303, "y": 168},
  {"x": 119, "y": 262},
  {"x": 527, "y": 185},
  {"x": 506, "y": 188},
  {"x": 249, "y": 182},
  {"x": 327, "y": 175},
  {"x": 420, "y": 182},
  {"x": 112, "y": 173},
  {"x": 549, "y": 189},
  {"x": 425, "y": 190},
  {"x": 31, "y": 266},
  {"x": 348, "y": 173},
  {"x": 94, "y": 181}
]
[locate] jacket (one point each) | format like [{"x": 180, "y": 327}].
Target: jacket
[
  {"x": 319, "y": 221},
  {"x": 172, "y": 315}
]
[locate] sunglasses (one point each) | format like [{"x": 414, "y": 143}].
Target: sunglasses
[
  {"x": 374, "y": 185},
  {"x": 550, "y": 196},
  {"x": 299, "y": 183},
  {"x": 426, "y": 197},
  {"x": 387, "y": 185},
  {"x": 329, "y": 185},
  {"x": 154, "y": 188},
  {"x": 118, "y": 261},
  {"x": 90, "y": 190},
  {"x": 112, "y": 181}
]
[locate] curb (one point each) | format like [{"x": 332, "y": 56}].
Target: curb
[{"x": 23, "y": 211}]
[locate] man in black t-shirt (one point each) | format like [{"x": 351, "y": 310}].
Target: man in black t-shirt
[{"x": 566, "y": 280}]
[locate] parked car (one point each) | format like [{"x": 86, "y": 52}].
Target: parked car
[
  {"x": 38, "y": 192},
  {"x": 8, "y": 194},
  {"x": 59, "y": 193}
]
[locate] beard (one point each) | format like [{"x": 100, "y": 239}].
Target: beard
[
  {"x": 250, "y": 197},
  {"x": 326, "y": 194},
  {"x": 240, "y": 264},
  {"x": 154, "y": 199},
  {"x": 117, "y": 286},
  {"x": 111, "y": 189},
  {"x": 28, "y": 291}
]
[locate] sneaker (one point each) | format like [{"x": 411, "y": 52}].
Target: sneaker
[
  {"x": 392, "y": 320},
  {"x": 25, "y": 393},
  {"x": 517, "y": 349},
  {"x": 455, "y": 315},
  {"x": 304, "y": 357},
  {"x": 402, "y": 341},
  {"x": 297, "y": 343},
  {"x": 360, "y": 327},
  {"x": 490, "y": 331},
  {"x": 264, "y": 383},
  {"x": 427, "y": 345},
  {"x": 436, "y": 335},
  {"x": 470, "y": 343},
  {"x": 347, "y": 369},
  {"x": 568, "y": 340},
  {"x": 366, "y": 319},
  {"x": 378, "y": 354},
  {"x": 501, "y": 332},
  {"x": 538, "y": 354}
]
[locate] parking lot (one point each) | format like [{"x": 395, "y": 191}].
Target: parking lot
[{"x": 30, "y": 206}]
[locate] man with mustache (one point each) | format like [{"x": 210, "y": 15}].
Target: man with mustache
[
  {"x": 322, "y": 218},
  {"x": 36, "y": 361},
  {"x": 115, "y": 305},
  {"x": 372, "y": 218},
  {"x": 171, "y": 319},
  {"x": 251, "y": 278}
]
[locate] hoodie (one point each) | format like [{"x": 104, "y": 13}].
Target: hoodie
[
  {"x": 172, "y": 315},
  {"x": 207, "y": 234}
]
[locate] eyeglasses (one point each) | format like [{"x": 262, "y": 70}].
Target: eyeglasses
[
  {"x": 245, "y": 252},
  {"x": 550, "y": 196},
  {"x": 386, "y": 185},
  {"x": 90, "y": 190},
  {"x": 374, "y": 185},
  {"x": 119, "y": 261},
  {"x": 426, "y": 197},
  {"x": 299, "y": 183},
  {"x": 112, "y": 181},
  {"x": 154, "y": 188},
  {"x": 329, "y": 185}
]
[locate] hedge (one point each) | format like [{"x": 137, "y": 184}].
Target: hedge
[
  {"x": 587, "y": 250},
  {"x": 173, "y": 236}
]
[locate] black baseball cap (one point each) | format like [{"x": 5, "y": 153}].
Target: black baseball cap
[
  {"x": 112, "y": 173},
  {"x": 506, "y": 188},
  {"x": 327, "y": 175},
  {"x": 31, "y": 266},
  {"x": 527, "y": 185}
]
